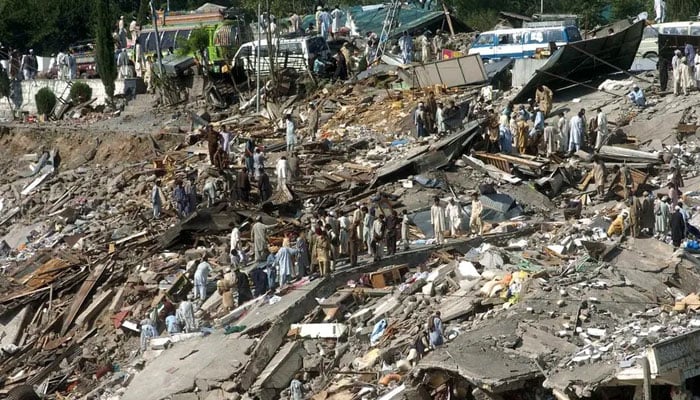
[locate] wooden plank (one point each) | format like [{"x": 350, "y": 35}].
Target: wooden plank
[{"x": 82, "y": 294}]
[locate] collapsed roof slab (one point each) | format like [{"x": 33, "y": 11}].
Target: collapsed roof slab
[{"x": 585, "y": 60}]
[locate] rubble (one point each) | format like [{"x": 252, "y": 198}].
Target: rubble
[{"x": 544, "y": 303}]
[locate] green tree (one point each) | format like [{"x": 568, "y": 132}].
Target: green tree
[
  {"x": 195, "y": 43},
  {"x": 106, "y": 64}
]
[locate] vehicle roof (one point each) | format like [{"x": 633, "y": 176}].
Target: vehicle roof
[
  {"x": 677, "y": 23},
  {"x": 522, "y": 30}
]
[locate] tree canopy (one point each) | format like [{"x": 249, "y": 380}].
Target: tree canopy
[{"x": 51, "y": 26}]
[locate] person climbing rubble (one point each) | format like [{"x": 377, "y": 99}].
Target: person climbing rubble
[
  {"x": 185, "y": 314},
  {"x": 435, "y": 330},
  {"x": 619, "y": 224},
  {"x": 201, "y": 277}
]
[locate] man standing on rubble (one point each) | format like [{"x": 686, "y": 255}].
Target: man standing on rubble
[
  {"x": 405, "y": 221},
  {"x": 438, "y": 44},
  {"x": 685, "y": 75},
  {"x": 191, "y": 192},
  {"x": 156, "y": 199},
  {"x": 430, "y": 111},
  {"x": 676, "y": 66},
  {"x": 476, "y": 226},
  {"x": 264, "y": 186},
  {"x": 635, "y": 216},
  {"x": 259, "y": 233},
  {"x": 677, "y": 227},
  {"x": 420, "y": 121},
  {"x": 180, "y": 199},
  {"x": 185, "y": 314},
  {"x": 336, "y": 14},
  {"x": 435, "y": 330},
  {"x": 285, "y": 261},
  {"x": 291, "y": 134},
  {"x": 626, "y": 181},
  {"x": 243, "y": 185},
  {"x": 368, "y": 222},
  {"x": 210, "y": 191},
  {"x": 601, "y": 129},
  {"x": 406, "y": 45},
  {"x": 599, "y": 175},
  {"x": 378, "y": 236},
  {"x": 543, "y": 97},
  {"x": 454, "y": 216},
  {"x": 358, "y": 217},
  {"x": 390, "y": 224},
  {"x": 648, "y": 220},
  {"x": 563, "y": 128},
  {"x": 576, "y": 129},
  {"x": 325, "y": 19},
  {"x": 313, "y": 121},
  {"x": 282, "y": 171},
  {"x": 200, "y": 279},
  {"x": 343, "y": 235},
  {"x": 440, "y": 119},
  {"x": 322, "y": 249},
  {"x": 661, "y": 217},
  {"x": 522, "y": 135},
  {"x": 223, "y": 287},
  {"x": 550, "y": 139},
  {"x": 242, "y": 286},
  {"x": 425, "y": 47},
  {"x": 437, "y": 219}
]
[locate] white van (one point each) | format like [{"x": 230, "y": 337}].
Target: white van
[
  {"x": 522, "y": 42},
  {"x": 298, "y": 53},
  {"x": 649, "y": 46}
]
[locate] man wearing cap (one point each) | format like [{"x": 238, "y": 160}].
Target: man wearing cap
[
  {"x": 437, "y": 220},
  {"x": 661, "y": 217},
  {"x": 454, "y": 216},
  {"x": 676, "y": 66},
  {"x": 285, "y": 261}
]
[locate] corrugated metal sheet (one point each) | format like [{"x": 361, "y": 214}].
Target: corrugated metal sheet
[{"x": 567, "y": 62}]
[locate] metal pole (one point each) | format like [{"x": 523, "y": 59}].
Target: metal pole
[
  {"x": 154, "y": 17},
  {"x": 257, "y": 65},
  {"x": 541, "y": 6}
]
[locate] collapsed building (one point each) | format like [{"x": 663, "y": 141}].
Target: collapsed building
[{"x": 543, "y": 305}]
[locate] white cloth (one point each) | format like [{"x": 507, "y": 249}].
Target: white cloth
[{"x": 336, "y": 15}]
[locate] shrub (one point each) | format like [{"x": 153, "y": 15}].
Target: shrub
[
  {"x": 45, "y": 101},
  {"x": 80, "y": 92}
]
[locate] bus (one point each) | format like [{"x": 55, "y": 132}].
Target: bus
[
  {"x": 649, "y": 46},
  {"x": 522, "y": 42}
]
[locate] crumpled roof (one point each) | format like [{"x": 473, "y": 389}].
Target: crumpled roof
[{"x": 568, "y": 65}]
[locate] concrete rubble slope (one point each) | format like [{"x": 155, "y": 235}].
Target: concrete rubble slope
[
  {"x": 208, "y": 361},
  {"x": 541, "y": 296}
]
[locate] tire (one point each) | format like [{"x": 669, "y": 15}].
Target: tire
[
  {"x": 651, "y": 55},
  {"x": 23, "y": 392}
]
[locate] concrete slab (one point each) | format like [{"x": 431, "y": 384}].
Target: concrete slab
[
  {"x": 267, "y": 312},
  {"x": 12, "y": 326},
  {"x": 216, "y": 357},
  {"x": 282, "y": 367}
]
